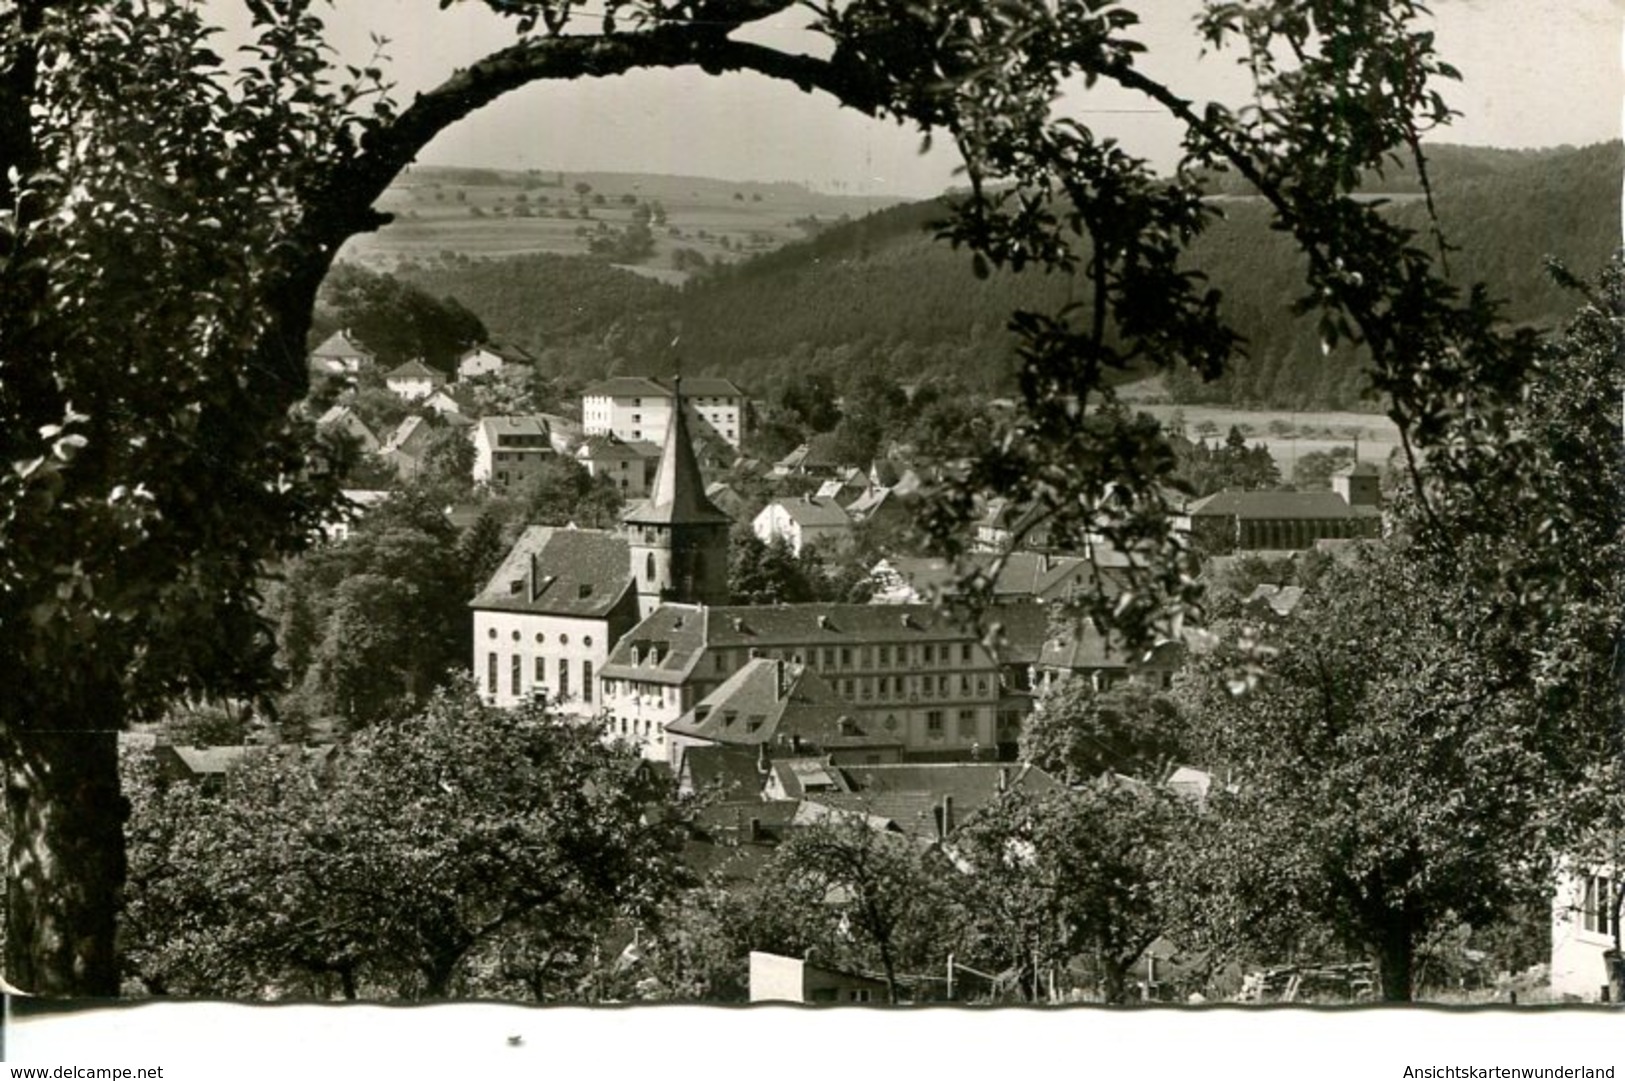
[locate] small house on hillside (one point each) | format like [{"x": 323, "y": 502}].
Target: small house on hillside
[
  {"x": 343, "y": 419},
  {"x": 491, "y": 358},
  {"x": 413, "y": 381},
  {"x": 804, "y": 521},
  {"x": 341, "y": 354}
]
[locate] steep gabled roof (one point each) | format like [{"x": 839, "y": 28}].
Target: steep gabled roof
[
  {"x": 812, "y": 512},
  {"x": 508, "y": 354},
  {"x": 568, "y": 572},
  {"x": 415, "y": 369},
  {"x": 678, "y": 496},
  {"x": 770, "y": 702},
  {"x": 340, "y": 346}
]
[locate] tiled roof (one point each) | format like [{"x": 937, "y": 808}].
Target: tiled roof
[
  {"x": 607, "y": 448},
  {"x": 1084, "y": 649},
  {"x": 770, "y": 702},
  {"x": 814, "y": 512},
  {"x": 415, "y": 369},
  {"x": 570, "y": 572},
  {"x": 1357, "y": 469},
  {"x": 1272, "y": 505},
  {"x": 509, "y": 354},
  {"x": 626, "y": 386},
  {"x": 729, "y": 771},
  {"x": 638, "y": 386},
  {"x": 909, "y": 794},
  {"x": 409, "y": 435},
  {"x": 499, "y": 426},
  {"x": 681, "y": 632},
  {"x": 340, "y": 346}
]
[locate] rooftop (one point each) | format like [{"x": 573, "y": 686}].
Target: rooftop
[
  {"x": 773, "y": 702},
  {"x": 1273, "y": 505},
  {"x": 560, "y": 571},
  {"x": 811, "y": 511},
  {"x": 415, "y": 369}
]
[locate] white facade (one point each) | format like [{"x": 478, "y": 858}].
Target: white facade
[
  {"x": 412, "y": 386},
  {"x": 508, "y": 451},
  {"x": 632, "y": 409},
  {"x": 518, "y": 654},
  {"x": 638, "y": 711},
  {"x": 477, "y": 362},
  {"x": 1582, "y": 931},
  {"x": 640, "y": 417},
  {"x": 830, "y": 528}
]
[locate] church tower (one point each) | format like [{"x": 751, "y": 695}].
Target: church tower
[{"x": 677, "y": 537}]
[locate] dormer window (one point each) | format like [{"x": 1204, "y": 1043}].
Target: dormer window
[{"x": 635, "y": 656}]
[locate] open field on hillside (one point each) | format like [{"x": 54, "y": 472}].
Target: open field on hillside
[
  {"x": 485, "y": 213},
  {"x": 1287, "y": 433}
]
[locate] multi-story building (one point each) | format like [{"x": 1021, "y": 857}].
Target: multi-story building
[
  {"x": 909, "y": 671},
  {"x": 545, "y": 622},
  {"x": 636, "y": 408},
  {"x": 508, "y": 451},
  {"x": 547, "y": 619}
]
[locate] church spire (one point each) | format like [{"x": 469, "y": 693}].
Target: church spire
[{"x": 678, "y": 496}]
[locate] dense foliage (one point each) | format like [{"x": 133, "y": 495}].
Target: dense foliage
[{"x": 459, "y": 851}]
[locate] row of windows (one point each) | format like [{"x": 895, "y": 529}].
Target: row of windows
[
  {"x": 560, "y": 691},
  {"x": 910, "y": 687},
  {"x": 541, "y": 639},
  {"x": 834, "y": 658}
]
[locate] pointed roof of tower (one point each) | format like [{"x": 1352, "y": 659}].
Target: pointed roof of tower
[{"x": 678, "y": 496}]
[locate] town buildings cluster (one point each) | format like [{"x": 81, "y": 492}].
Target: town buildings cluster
[{"x": 790, "y": 713}]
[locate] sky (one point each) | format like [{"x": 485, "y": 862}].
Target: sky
[{"x": 1536, "y": 73}]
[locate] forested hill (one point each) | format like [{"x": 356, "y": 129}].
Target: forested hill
[{"x": 880, "y": 294}]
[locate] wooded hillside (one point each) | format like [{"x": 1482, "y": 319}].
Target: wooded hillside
[{"x": 881, "y": 293}]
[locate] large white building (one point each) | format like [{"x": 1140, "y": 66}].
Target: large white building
[
  {"x": 634, "y": 408},
  {"x": 547, "y": 619},
  {"x": 561, "y": 600},
  {"x": 909, "y": 671}
]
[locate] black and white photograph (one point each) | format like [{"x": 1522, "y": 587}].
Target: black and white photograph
[{"x": 964, "y": 536}]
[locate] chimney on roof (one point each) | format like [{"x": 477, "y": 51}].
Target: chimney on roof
[
  {"x": 1004, "y": 778},
  {"x": 762, "y": 759},
  {"x": 754, "y": 834},
  {"x": 781, "y": 682},
  {"x": 936, "y": 818},
  {"x": 947, "y": 815}
]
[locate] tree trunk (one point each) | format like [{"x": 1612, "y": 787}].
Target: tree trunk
[
  {"x": 1395, "y": 957},
  {"x": 65, "y": 870}
]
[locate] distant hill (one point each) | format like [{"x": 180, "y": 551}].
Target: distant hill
[
  {"x": 444, "y": 211},
  {"x": 879, "y": 293}
]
